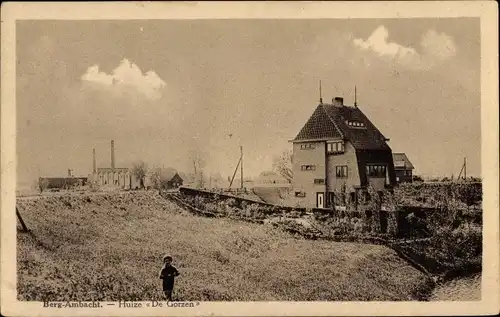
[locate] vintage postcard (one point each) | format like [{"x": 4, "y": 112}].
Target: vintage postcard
[{"x": 249, "y": 158}]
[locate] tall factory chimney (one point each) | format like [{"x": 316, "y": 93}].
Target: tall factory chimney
[
  {"x": 93, "y": 162},
  {"x": 112, "y": 154}
]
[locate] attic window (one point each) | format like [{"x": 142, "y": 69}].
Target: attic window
[{"x": 355, "y": 124}]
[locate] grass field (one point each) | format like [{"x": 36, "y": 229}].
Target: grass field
[{"x": 109, "y": 247}]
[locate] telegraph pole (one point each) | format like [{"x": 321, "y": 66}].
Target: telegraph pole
[
  {"x": 465, "y": 168},
  {"x": 241, "y": 159}
]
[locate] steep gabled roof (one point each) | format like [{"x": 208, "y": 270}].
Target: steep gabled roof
[
  {"x": 319, "y": 126},
  {"x": 176, "y": 178},
  {"x": 401, "y": 157},
  {"x": 330, "y": 121}
]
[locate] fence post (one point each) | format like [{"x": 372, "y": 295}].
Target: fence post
[{"x": 25, "y": 229}]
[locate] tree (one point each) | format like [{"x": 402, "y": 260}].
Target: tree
[
  {"x": 417, "y": 178},
  {"x": 42, "y": 184},
  {"x": 283, "y": 165},
  {"x": 197, "y": 158},
  {"x": 140, "y": 170},
  {"x": 155, "y": 177}
]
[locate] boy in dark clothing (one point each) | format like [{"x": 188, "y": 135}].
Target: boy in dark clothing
[{"x": 167, "y": 274}]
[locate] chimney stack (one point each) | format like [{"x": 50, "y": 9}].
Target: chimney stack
[
  {"x": 112, "y": 154},
  {"x": 338, "y": 101},
  {"x": 93, "y": 162}
]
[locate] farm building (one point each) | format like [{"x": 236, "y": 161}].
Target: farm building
[
  {"x": 169, "y": 178},
  {"x": 403, "y": 167},
  {"x": 339, "y": 150}
]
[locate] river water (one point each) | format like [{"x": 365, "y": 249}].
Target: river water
[{"x": 461, "y": 289}]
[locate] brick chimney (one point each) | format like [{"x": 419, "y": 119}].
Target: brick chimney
[
  {"x": 112, "y": 154},
  {"x": 338, "y": 101}
]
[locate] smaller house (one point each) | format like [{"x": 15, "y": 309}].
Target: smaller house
[
  {"x": 403, "y": 167},
  {"x": 170, "y": 178},
  {"x": 175, "y": 182}
]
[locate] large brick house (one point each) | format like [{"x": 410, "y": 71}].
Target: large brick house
[{"x": 339, "y": 150}]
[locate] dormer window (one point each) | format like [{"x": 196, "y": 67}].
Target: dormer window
[
  {"x": 355, "y": 124},
  {"x": 335, "y": 147}
]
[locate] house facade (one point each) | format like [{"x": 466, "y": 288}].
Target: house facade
[
  {"x": 337, "y": 154},
  {"x": 404, "y": 168}
]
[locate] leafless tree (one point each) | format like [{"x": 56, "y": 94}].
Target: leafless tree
[
  {"x": 155, "y": 177},
  {"x": 140, "y": 170},
  {"x": 198, "y": 158},
  {"x": 283, "y": 165}
]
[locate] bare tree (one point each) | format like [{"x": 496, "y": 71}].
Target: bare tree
[
  {"x": 197, "y": 157},
  {"x": 283, "y": 165},
  {"x": 42, "y": 184},
  {"x": 155, "y": 177},
  {"x": 140, "y": 170}
]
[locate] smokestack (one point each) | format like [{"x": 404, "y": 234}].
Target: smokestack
[
  {"x": 112, "y": 154},
  {"x": 338, "y": 101},
  {"x": 93, "y": 162}
]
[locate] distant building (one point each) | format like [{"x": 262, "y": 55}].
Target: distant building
[
  {"x": 403, "y": 167},
  {"x": 339, "y": 152},
  {"x": 170, "y": 178},
  {"x": 120, "y": 177},
  {"x": 64, "y": 182}
]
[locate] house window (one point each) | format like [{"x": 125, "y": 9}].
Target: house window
[
  {"x": 319, "y": 181},
  {"x": 300, "y": 194},
  {"x": 376, "y": 171},
  {"x": 335, "y": 147},
  {"x": 355, "y": 124},
  {"x": 307, "y": 146},
  {"x": 341, "y": 171},
  {"x": 308, "y": 167}
]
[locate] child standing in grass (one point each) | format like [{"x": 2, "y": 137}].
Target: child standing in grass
[{"x": 167, "y": 274}]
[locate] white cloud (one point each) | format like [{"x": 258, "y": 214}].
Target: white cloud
[
  {"x": 377, "y": 42},
  {"x": 436, "y": 47},
  {"x": 127, "y": 75}
]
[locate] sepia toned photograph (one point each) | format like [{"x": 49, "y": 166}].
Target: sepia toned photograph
[{"x": 178, "y": 162}]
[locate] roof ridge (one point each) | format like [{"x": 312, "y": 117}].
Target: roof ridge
[{"x": 331, "y": 119}]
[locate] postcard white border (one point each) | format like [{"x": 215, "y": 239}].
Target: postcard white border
[{"x": 487, "y": 12}]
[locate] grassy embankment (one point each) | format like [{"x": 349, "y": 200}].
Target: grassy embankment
[{"x": 109, "y": 247}]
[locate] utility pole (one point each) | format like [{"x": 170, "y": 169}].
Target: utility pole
[
  {"x": 465, "y": 168},
  {"x": 241, "y": 165}
]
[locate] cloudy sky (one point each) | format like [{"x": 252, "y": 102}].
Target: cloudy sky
[{"x": 162, "y": 88}]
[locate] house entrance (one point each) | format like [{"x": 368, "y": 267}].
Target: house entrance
[{"x": 320, "y": 200}]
